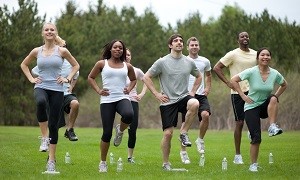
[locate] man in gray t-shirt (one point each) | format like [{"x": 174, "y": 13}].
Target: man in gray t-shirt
[{"x": 173, "y": 71}]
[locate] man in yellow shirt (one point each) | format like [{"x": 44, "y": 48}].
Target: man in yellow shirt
[{"x": 237, "y": 60}]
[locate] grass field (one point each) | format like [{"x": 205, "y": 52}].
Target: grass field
[{"x": 20, "y": 158}]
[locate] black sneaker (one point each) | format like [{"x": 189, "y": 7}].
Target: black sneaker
[
  {"x": 185, "y": 141},
  {"x": 71, "y": 135}
]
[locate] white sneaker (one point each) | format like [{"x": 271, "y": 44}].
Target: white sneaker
[
  {"x": 44, "y": 144},
  {"x": 184, "y": 157},
  {"x": 102, "y": 166},
  {"x": 253, "y": 167},
  {"x": 166, "y": 166},
  {"x": 200, "y": 145},
  {"x": 50, "y": 168},
  {"x": 238, "y": 159},
  {"x": 274, "y": 130},
  {"x": 118, "y": 137}
]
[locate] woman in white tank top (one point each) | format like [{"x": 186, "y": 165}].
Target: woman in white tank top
[{"x": 114, "y": 94}]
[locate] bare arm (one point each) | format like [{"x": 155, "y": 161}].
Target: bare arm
[
  {"x": 196, "y": 84},
  {"x": 92, "y": 76},
  {"x": 72, "y": 85},
  {"x": 218, "y": 70},
  {"x": 281, "y": 89},
  {"x": 149, "y": 83},
  {"x": 25, "y": 63},
  {"x": 207, "y": 83},
  {"x": 235, "y": 83},
  {"x": 131, "y": 76},
  {"x": 65, "y": 53},
  {"x": 142, "y": 93}
]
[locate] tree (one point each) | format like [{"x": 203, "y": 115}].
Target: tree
[{"x": 19, "y": 31}]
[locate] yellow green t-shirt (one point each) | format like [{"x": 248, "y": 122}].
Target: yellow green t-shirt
[{"x": 238, "y": 60}]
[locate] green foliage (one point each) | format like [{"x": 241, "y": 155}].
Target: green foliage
[
  {"x": 86, "y": 32},
  {"x": 18, "y": 33},
  {"x": 20, "y": 157}
]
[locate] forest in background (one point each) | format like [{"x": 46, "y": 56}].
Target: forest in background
[{"x": 86, "y": 32}]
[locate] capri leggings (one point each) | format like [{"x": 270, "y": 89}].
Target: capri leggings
[
  {"x": 52, "y": 101},
  {"x": 133, "y": 126},
  {"x": 108, "y": 112}
]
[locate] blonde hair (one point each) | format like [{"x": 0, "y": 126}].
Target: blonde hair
[{"x": 58, "y": 40}]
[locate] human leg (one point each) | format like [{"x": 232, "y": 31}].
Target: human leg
[
  {"x": 108, "y": 111},
  {"x": 74, "y": 105},
  {"x": 203, "y": 126},
  {"x": 124, "y": 108},
  {"x": 72, "y": 108},
  {"x": 238, "y": 109},
  {"x": 190, "y": 111},
  {"x": 183, "y": 153},
  {"x": 203, "y": 115},
  {"x": 166, "y": 144},
  {"x": 169, "y": 119},
  {"x": 42, "y": 108},
  {"x": 55, "y": 105},
  {"x": 272, "y": 110},
  {"x": 132, "y": 131},
  {"x": 252, "y": 118}
]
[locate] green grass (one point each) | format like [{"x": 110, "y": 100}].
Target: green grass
[{"x": 20, "y": 158}]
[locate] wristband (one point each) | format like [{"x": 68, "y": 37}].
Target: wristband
[{"x": 68, "y": 80}]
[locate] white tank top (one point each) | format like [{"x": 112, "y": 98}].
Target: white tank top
[{"x": 114, "y": 79}]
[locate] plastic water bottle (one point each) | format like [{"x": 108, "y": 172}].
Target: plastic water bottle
[
  {"x": 67, "y": 158},
  {"x": 119, "y": 165},
  {"x": 224, "y": 164},
  {"x": 202, "y": 160},
  {"x": 271, "y": 160},
  {"x": 111, "y": 158}
]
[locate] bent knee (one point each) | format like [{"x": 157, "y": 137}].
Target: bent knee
[
  {"x": 205, "y": 115},
  {"x": 168, "y": 133},
  {"x": 74, "y": 104},
  {"x": 193, "y": 104}
]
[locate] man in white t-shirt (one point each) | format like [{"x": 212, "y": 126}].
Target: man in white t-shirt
[{"x": 203, "y": 64}]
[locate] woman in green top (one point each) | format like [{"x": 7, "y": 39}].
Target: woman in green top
[{"x": 260, "y": 103}]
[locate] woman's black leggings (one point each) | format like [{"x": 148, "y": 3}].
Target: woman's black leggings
[
  {"x": 49, "y": 102},
  {"x": 134, "y": 125},
  {"x": 108, "y": 112}
]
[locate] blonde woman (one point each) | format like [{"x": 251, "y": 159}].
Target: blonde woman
[{"x": 48, "y": 88}]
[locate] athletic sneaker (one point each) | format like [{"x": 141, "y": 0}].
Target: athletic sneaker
[
  {"x": 71, "y": 135},
  {"x": 200, "y": 145},
  {"x": 184, "y": 139},
  {"x": 166, "y": 166},
  {"x": 238, "y": 159},
  {"x": 274, "y": 130},
  {"x": 131, "y": 160},
  {"x": 102, "y": 167},
  {"x": 253, "y": 167},
  {"x": 118, "y": 137},
  {"x": 50, "y": 168},
  {"x": 184, "y": 157},
  {"x": 44, "y": 144}
]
